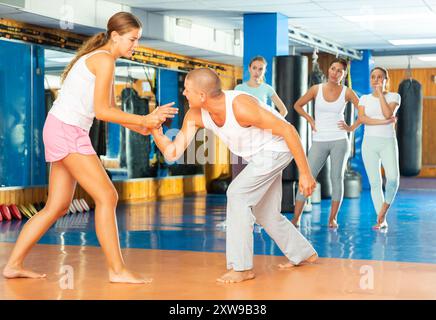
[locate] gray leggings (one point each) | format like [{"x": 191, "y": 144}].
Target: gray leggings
[{"x": 338, "y": 150}]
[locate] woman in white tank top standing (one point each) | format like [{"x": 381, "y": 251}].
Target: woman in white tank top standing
[
  {"x": 329, "y": 134},
  {"x": 87, "y": 92},
  {"x": 379, "y": 147}
]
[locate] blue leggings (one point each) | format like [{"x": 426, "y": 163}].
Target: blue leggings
[{"x": 376, "y": 151}]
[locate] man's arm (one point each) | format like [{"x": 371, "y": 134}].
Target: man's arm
[
  {"x": 173, "y": 150},
  {"x": 248, "y": 112}
]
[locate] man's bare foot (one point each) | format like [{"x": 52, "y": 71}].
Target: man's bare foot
[
  {"x": 236, "y": 276},
  {"x": 126, "y": 276},
  {"x": 289, "y": 265},
  {"x": 333, "y": 224},
  {"x": 20, "y": 272},
  {"x": 312, "y": 258}
]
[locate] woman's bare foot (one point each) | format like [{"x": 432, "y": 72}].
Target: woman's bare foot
[
  {"x": 20, "y": 272},
  {"x": 381, "y": 225},
  {"x": 333, "y": 224},
  {"x": 381, "y": 221},
  {"x": 296, "y": 222},
  {"x": 289, "y": 265},
  {"x": 236, "y": 276},
  {"x": 126, "y": 276}
]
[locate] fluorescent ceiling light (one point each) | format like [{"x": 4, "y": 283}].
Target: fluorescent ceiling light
[
  {"x": 61, "y": 60},
  {"x": 391, "y": 17},
  {"x": 409, "y": 42},
  {"x": 427, "y": 58}
]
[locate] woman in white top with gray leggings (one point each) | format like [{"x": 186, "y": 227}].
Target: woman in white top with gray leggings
[
  {"x": 377, "y": 111},
  {"x": 329, "y": 134}
]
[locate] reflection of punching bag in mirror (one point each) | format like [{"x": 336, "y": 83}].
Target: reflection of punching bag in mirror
[
  {"x": 137, "y": 146},
  {"x": 186, "y": 167},
  {"x": 97, "y": 133}
]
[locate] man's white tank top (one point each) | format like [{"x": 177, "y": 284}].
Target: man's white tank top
[
  {"x": 327, "y": 115},
  {"x": 244, "y": 142},
  {"x": 75, "y": 102}
]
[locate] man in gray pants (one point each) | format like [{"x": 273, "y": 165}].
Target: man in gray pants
[{"x": 268, "y": 143}]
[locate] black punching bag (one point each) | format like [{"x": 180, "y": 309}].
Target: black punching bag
[
  {"x": 97, "y": 134},
  {"x": 122, "y": 156},
  {"x": 124, "y": 101},
  {"x": 409, "y": 127},
  {"x": 290, "y": 75},
  {"x": 137, "y": 145}
]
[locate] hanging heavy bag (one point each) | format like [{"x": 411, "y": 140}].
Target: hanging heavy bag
[
  {"x": 409, "y": 127},
  {"x": 137, "y": 145}
]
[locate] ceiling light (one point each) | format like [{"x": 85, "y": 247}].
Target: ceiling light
[
  {"x": 410, "y": 42},
  {"x": 427, "y": 58},
  {"x": 61, "y": 60},
  {"x": 186, "y": 23},
  {"x": 390, "y": 17},
  {"x": 237, "y": 37}
]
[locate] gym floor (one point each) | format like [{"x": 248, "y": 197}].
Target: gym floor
[{"x": 178, "y": 243}]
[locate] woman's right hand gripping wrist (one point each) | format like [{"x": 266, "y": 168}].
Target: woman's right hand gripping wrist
[{"x": 159, "y": 115}]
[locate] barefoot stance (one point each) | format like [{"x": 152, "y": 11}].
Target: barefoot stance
[
  {"x": 333, "y": 224},
  {"x": 381, "y": 222},
  {"x": 13, "y": 273},
  {"x": 236, "y": 276},
  {"x": 382, "y": 225},
  {"x": 289, "y": 265},
  {"x": 126, "y": 276}
]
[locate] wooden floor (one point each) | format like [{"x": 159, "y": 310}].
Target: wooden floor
[{"x": 184, "y": 275}]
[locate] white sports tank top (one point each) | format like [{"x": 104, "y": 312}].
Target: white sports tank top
[
  {"x": 327, "y": 115},
  {"x": 75, "y": 102},
  {"x": 244, "y": 142}
]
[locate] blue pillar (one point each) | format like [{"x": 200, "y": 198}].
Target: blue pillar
[
  {"x": 360, "y": 72},
  {"x": 168, "y": 91},
  {"x": 38, "y": 166},
  {"x": 114, "y": 139},
  {"x": 22, "y": 108},
  {"x": 265, "y": 34}
]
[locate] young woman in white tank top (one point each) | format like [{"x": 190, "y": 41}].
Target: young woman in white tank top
[
  {"x": 377, "y": 111},
  {"x": 87, "y": 92},
  {"x": 329, "y": 133}
]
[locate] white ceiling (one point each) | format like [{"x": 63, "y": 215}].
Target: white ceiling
[
  {"x": 329, "y": 19},
  {"x": 325, "y": 18}
]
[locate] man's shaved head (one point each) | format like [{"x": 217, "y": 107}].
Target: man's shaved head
[{"x": 205, "y": 80}]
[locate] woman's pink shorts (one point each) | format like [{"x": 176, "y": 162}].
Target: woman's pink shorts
[{"x": 61, "y": 139}]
